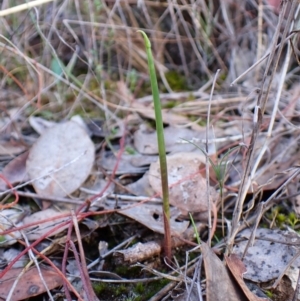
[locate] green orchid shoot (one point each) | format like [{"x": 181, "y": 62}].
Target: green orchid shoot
[{"x": 161, "y": 147}]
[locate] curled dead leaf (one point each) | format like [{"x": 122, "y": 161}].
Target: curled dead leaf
[{"x": 187, "y": 186}]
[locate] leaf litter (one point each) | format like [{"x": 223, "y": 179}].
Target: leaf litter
[
  {"x": 104, "y": 168},
  {"x": 57, "y": 163},
  {"x": 272, "y": 252}
]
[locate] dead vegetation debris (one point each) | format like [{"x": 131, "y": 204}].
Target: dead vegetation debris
[{"x": 80, "y": 191}]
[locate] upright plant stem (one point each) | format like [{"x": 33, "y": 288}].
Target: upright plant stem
[
  {"x": 209, "y": 205},
  {"x": 161, "y": 148}
]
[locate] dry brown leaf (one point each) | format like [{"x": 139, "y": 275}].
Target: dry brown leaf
[
  {"x": 15, "y": 171},
  {"x": 168, "y": 117},
  {"x": 9, "y": 218},
  {"x": 40, "y": 125},
  {"x": 188, "y": 191},
  {"x": 11, "y": 254},
  {"x": 270, "y": 253},
  {"x": 108, "y": 161},
  {"x": 30, "y": 283},
  {"x": 282, "y": 154},
  {"x": 237, "y": 269},
  {"x": 141, "y": 187},
  {"x": 151, "y": 216},
  {"x": 37, "y": 231},
  {"x": 219, "y": 286},
  {"x": 61, "y": 160},
  {"x": 274, "y": 166},
  {"x": 11, "y": 147},
  {"x": 145, "y": 140}
]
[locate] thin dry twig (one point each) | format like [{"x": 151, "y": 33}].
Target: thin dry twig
[
  {"x": 258, "y": 118},
  {"x": 82, "y": 263},
  {"x": 22, "y": 7},
  {"x": 209, "y": 204}
]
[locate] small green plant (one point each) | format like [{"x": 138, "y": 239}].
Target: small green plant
[
  {"x": 133, "y": 78},
  {"x": 130, "y": 150},
  {"x": 219, "y": 169},
  {"x": 99, "y": 287},
  {"x": 120, "y": 289},
  {"x": 269, "y": 294},
  {"x": 292, "y": 219},
  {"x": 195, "y": 229},
  {"x": 177, "y": 81},
  {"x": 161, "y": 148},
  {"x": 139, "y": 288},
  {"x": 282, "y": 218}
]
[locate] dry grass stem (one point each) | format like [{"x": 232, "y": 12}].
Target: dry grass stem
[
  {"x": 258, "y": 117},
  {"x": 22, "y": 7}
]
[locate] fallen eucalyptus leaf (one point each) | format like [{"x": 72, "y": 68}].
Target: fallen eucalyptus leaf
[
  {"x": 187, "y": 186},
  {"x": 151, "y": 216},
  {"x": 60, "y": 160},
  {"x": 270, "y": 253}
]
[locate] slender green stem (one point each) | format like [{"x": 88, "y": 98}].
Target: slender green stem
[
  {"x": 161, "y": 146},
  {"x": 195, "y": 229}
]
